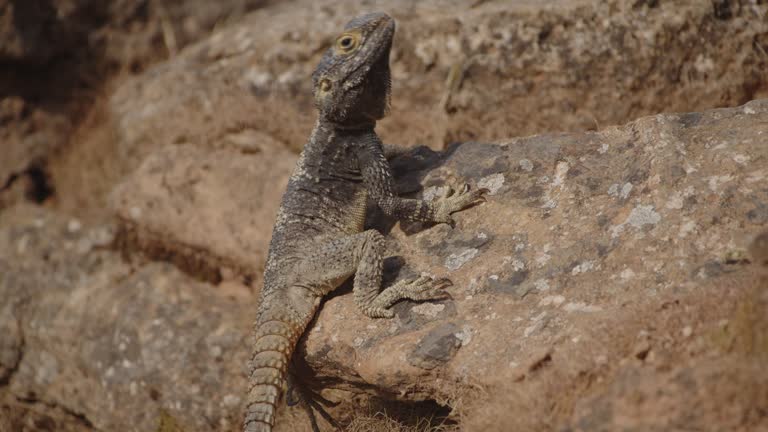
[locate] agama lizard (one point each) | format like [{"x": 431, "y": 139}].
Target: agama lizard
[{"x": 318, "y": 241}]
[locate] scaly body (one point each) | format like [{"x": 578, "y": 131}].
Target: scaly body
[{"x": 318, "y": 241}]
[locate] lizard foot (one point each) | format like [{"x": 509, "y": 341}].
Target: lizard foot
[
  {"x": 419, "y": 289},
  {"x": 425, "y": 288},
  {"x": 453, "y": 201}
]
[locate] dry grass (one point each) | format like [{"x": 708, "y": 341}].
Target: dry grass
[{"x": 381, "y": 422}]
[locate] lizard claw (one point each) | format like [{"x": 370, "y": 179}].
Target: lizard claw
[
  {"x": 426, "y": 288},
  {"x": 441, "y": 295},
  {"x": 452, "y": 202},
  {"x": 483, "y": 194}
]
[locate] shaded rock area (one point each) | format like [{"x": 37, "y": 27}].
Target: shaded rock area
[
  {"x": 58, "y": 61},
  {"x": 606, "y": 284}
]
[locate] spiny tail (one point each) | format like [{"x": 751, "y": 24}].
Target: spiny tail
[{"x": 276, "y": 336}]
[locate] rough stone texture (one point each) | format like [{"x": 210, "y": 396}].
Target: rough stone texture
[
  {"x": 587, "y": 229},
  {"x": 436, "y": 348},
  {"x": 187, "y": 205},
  {"x": 58, "y": 58},
  {"x": 520, "y": 67},
  {"x": 483, "y": 70},
  {"x": 28, "y": 135},
  {"x": 602, "y": 287},
  {"x": 611, "y": 256},
  {"x": 34, "y": 32},
  {"x": 108, "y": 345},
  {"x": 640, "y": 398}
]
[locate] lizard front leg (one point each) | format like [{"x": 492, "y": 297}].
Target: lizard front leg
[
  {"x": 368, "y": 252},
  {"x": 380, "y": 184}
]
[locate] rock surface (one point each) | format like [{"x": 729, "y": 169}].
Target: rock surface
[
  {"x": 603, "y": 286},
  {"x": 562, "y": 65},
  {"x": 605, "y": 266},
  {"x": 113, "y": 346},
  {"x": 195, "y": 217},
  {"x": 482, "y": 70},
  {"x": 60, "y": 59},
  {"x": 594, "y": 250}
]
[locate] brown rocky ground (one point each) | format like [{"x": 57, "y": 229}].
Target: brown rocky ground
[{"x": 604, "y": 286}]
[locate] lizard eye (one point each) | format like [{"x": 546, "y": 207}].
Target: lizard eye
[{"x": 346, "y": 43}]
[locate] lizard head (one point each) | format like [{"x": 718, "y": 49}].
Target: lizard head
[{"x": 352, "y": 81}]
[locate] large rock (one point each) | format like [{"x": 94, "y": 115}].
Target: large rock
[
  {"x": 612, "y": 257},
  {"x": 513, "y": 68},
  {"x": 601, "y": 287},
  {"x": 591, "y": 246}
]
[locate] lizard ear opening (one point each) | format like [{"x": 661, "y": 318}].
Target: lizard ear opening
[{"x": 322, "y": 89}]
